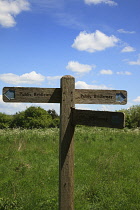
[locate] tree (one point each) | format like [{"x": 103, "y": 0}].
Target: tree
[
  {"x": 132, "y": 116},
  {"x": 135, "y": 116},
  {"x": 5, "y": 120},
  {"x": 53, "y": 113},
  {"x": 32, "y": 117},
  {"x": 36, "y": 117},
  {"x": 55, "y": 123}
]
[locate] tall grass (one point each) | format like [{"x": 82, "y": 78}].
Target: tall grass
[
  {"x": 29, "y": 169},
  {"x": 107, "y": 169}
]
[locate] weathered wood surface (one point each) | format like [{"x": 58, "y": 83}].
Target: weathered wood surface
[
  {"x": 53, "y": 95},
  {"x": 68, "y": 96},
  {"x": 66, "y": 151},
  {"x": 90, "y": 96},
  {"x": 98, "y": 118},
  {"x": 33, "y": 95}
]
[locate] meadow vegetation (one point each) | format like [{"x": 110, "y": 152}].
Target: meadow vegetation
[
  {"x": 107, "y": 169},
  {"x": 37, "y": 117}
]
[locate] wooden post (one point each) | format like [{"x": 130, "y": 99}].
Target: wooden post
[
  {"x": 67, "y": 96},
  {"x": 66, "y": 153}
]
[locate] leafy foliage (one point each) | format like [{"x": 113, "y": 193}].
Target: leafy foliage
[
  {"x": 132, "y": 116},
  {"x": 37, "y": 117},
  {"x": 53, "y": 113},
  {"x": 32, "y": 117},
  {"x": 5, "y": 120}
]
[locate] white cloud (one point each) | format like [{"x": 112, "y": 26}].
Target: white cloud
[
  {"x": 135, "y": 62},
  {"x": 126, "y": 32},
  {"x": 28, "y": 78},
  {"x": 109, "y": 2},
  {"x": 78, "y": 67},
  {"x": 84, "y": 85},
  {"x": 12, "y": 108},
  {"x": 109, "y": 72},
  {"x": 92, "y": 42},
  {"x": 128, "y": 49},
  {"x": 137, "y": 99},
  {"x": 9, "y": 9},
  {"x": 51, "y": 78},
  {"x": 124, "y": 73},
  {"x": 105, "y": 108}
]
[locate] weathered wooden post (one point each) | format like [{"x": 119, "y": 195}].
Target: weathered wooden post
[
  {"x": 68, "y": 96},
  {"x": 66, "y": 153}
]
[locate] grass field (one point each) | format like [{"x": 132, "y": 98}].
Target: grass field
[{"x": 107, "y": 169}]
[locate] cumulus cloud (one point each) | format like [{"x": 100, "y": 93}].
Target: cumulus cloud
[
  {"x": 128, "y": 49},
  {"x": 78, "y": 67},
  {"x": 9, "y": 9},
  {"x": 92, "y": 42},
  {"x": 126, "y": 32},
  {"x": 53, "y": 80},
  {"x": 12, "y": 108},
  {"x": 124, "y": 73},
  {"x": 28, "y": 78},
  {"x": 109, "y": 72},
  {"x": 109, "y": 2},
  {"x": 135, "y": 62},
  {"x": 84, "y": 85},
  {"x": 137, "y": 99}
]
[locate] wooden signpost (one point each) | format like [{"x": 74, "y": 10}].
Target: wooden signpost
[
  {"x": 68, "y": 96},
  {"x": 53, "y": 95}
]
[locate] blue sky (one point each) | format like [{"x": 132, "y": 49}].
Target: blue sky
[{"x": 96, "y": 41}]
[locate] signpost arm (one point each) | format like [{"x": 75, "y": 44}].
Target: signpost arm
[{"x": 66, "y": 153}]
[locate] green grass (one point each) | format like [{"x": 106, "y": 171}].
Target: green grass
[{"x": 107, "y": 169}]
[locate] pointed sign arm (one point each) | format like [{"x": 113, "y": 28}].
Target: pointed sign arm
[{"x": 98, "y": 118}]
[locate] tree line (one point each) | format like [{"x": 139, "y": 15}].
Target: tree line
[
  {"x": 32, "y": 117},
  {"x": 37, "y": 117},
  {"x": 132, "y": 116}
]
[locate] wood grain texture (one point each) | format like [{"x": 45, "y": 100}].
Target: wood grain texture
[
  {"x": 98, "y": 118},
  {"x": 53, "y": 95},
  {"x": 68, "y": 96},
  {"x": 66, "y": 151},
  {"x": 33, "y": 95},
  {"x": 90, "y": 96}
]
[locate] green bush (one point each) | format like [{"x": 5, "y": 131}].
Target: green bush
[
  {"x": 53, "y": 113},
  {"x": 37, "y": 117},
  {"x": 32, "y": 117},
  {"x": 18, "y": 120},
  {"x": 5, "y": 120},
  {"x": 55, "y": 123},
  {"x": 132, "y": 116}
]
